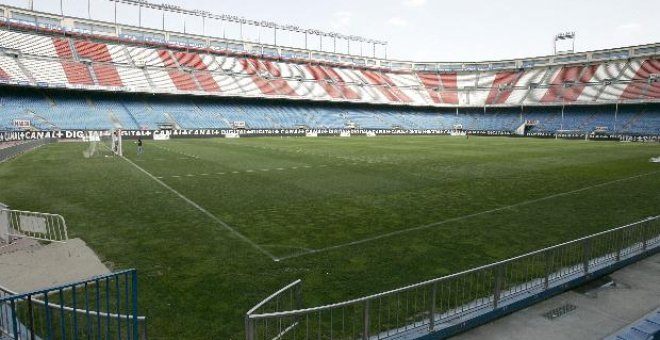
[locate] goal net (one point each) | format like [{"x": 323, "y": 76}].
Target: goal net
[{"x": 103, "y": 143}]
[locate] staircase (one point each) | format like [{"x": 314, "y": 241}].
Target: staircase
[
  {"x": 137, "y": 124},
  {"x": 27, "y": 72},
  {"x": 92, "y": 73},
  {"x": 90, "y": 103},
  {"x": 50, "y": 100},
  {"x": 115, "y": 121},
  {"x": 170, "y": 120},
  {"x": 42, "y": 120},
  {"x": 525, "y": 127}
]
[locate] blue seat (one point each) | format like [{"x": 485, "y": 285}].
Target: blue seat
[{"x": 49, "y": 109}]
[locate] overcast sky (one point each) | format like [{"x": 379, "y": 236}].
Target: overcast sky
[{"x": 418, "y": 30}]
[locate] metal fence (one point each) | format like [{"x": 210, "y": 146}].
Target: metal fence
[
  {"x": 104, "y": 307},
  {"x": 449, "y": 304},
  {"x": 37, "y": 226},
  {"x": 22, "y": 147}
]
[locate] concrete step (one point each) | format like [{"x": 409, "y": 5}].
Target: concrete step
[{"x": 19, "y": 245}]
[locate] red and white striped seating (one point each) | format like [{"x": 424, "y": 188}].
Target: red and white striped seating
[{"x": 80, "y": 61}]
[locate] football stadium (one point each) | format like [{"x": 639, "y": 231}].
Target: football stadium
[{"x": 255, "y": 179}]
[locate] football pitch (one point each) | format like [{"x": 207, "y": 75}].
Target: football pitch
[{"x": 215, "y": 225}]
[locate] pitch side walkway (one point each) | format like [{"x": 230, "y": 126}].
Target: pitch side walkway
[{"x": 593, "y": 312}]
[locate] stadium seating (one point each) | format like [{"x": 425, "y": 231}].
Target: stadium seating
[
  {"x": 28, "y": 44},
  {"x": 82, "y": 62},
  {"x": 10, "y": 70},
  {"x": 46, "y": 71},
  {"x": 68, "y": 110},
  {"x": 133, "y": 78}
]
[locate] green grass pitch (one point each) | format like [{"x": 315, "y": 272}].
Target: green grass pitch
[{"x": 349, "y": 216}]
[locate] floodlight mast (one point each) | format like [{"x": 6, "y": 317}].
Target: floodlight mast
[
  {"x": 203, "y": 14},
  {"x": 565, "y": 36}
]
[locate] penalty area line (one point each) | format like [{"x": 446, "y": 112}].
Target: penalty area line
[
  {"x": 460, "y": 218},
  {"x": 205, "y": 212}
]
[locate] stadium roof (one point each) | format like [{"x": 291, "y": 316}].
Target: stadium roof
[{"x": 424, "y": 30}]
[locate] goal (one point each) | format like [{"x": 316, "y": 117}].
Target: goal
[
  {"x": 115, "y": 141},
  {"x": 110, "y": 143}
]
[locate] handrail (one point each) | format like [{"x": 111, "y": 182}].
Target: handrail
[
  {"x": 436, "y": 280},
  {"x": 54, "y": 226},
  {"x": 446, "y": 305},
  {"x": 9, "y": 300},
  {"x": 274, "y": 295},
  {"x": 68, "y": 285},
  {"x": 75, "y": 310},
  {"x": 66, "y": 308}
]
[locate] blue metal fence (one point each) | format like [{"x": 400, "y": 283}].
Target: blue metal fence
[{"x": 103, "y": 307}]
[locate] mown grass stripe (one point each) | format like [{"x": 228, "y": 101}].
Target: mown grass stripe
[
  {"x": 459, "y": 218},
  {"x": 205, "y": 212}
]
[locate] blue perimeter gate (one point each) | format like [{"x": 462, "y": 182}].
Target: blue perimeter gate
[{"x": 102, "y": 307}]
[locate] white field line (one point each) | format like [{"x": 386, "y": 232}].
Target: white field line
[
  {"x": 460, "y": 218},
  {"x": 237, "y": 172},
  {"x": 175, "y": 151},
  {"x": 206, "y": 212}
]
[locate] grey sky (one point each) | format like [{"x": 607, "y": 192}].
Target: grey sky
[{"x": 421, "y": 30}]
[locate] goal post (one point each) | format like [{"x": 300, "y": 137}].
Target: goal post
[
  {"x": 117, "y": 145},
  {"x": 111, "y": 141}
]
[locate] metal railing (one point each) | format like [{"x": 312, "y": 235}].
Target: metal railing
[
  {"x": 37, "y": 226},
  {"x": 20, "y": 148},
  {"x": 103, "y": 307},
  {"x": 287, "y": 298},
  {"x": 443, "y": 305}
]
